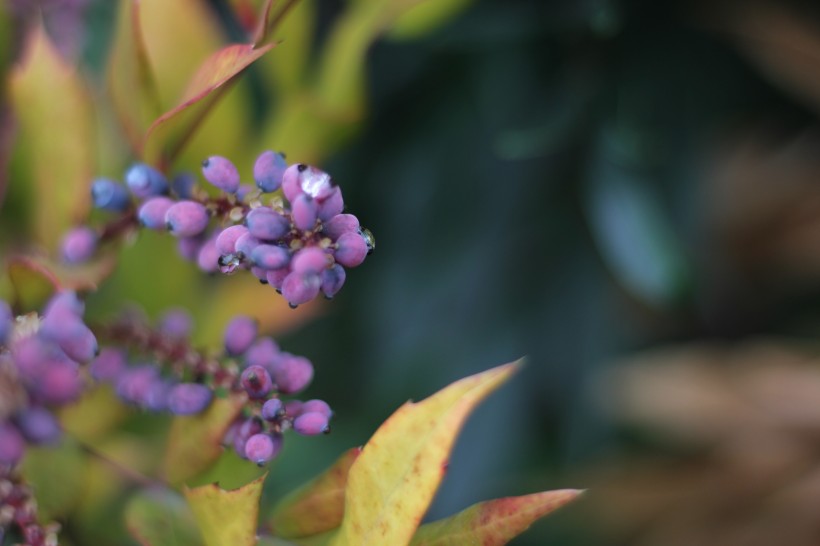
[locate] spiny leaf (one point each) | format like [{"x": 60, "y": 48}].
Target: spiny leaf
[
  {"x": 227, "y": 518},
  {"x": 173, "y": 128},
  {"x": 56, "y": 136},
  {"x": 32, "y": 284},
  {"x": 317, "y": 506},
  {"x": 195, "y": 442},
  {"x": 492, "y": 523},
  {"x": 393, "y": 481},
  {"x": 160, "y": 517}
]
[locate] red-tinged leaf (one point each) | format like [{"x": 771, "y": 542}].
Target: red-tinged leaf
[
  {"x": 170, "y": 132},
  {"x": 32, "y": 284},
  {"x": 195, "y": 442},
  {"x": 260, "y": 33},
  {"x": 160, "y": 517},
  {"x": 317, "y": 506},
  {"x": 393, "y": 481},
  {"x": 227, "y": 518},
  {"x": 492, "y": 523},
  {"x": 55, "y": 139},
  {"x": 131, "y": 79}
]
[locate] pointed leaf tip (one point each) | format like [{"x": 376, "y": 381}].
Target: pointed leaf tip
[
  {"x": 394, "y": 479},
  {"x": 226, "y": 517}
]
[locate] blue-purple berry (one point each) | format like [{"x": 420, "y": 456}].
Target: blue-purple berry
[
  {"x": 316, "y": 406},
  {"x": 261, "y": 448},
  {"x": 107, "y": 194},
  {"x": 144, "y": 181},
  {"x": 262, "y": 352},
  {"x": 332, "y": 280},
  {"x": 332, "y": 205},
  {"x": 38, "y": 425},
  {"x": 351, "y": 249},
  {"x": 272, "y": 409},
  {"x": 309, "y": 260},
  {"x": 189, "y": 398},
  {"x": 277, "y": 277},
  {"x": 6, "y": 322},
  {"x": 189, "y": 247},
  {"x": 175, "y": 324},
  {"x": 183, "y": 185},
  {"x": 245, "y": 430},
  {"x": 108, "y": 365},
  {"x": 239, "y": 334},
  {"x": 59, "y": 382},
  {"x": 12, "y": 444},
  {"x": 152, "y": 212},
  {"x": 186, "y": 219},
  {"x": 266, "y": 224},
  {"x": 311, "y": 424},
  {"x": 269, "y": 257},
  {"x": 256, "y": 381},
  {"x": 220, "y": 172},
  {"x": 78, "y": 245},
  {"x": 246, "y": 243},
  {"x": 268, "y": 170},
  {"x": 226, "y": 241},
  {"x": 304, "y": 212},
  {"x": 292, "y": 373},
  {"x": 298, "y": 288},
  {"x": 339, "y": 225},
  {"x": 208, "y": 257},
  {"x": 134, "y": 384}
]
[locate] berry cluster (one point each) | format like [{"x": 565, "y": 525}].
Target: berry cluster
[
  {"x": 301, "y": 245},
  {"x": 182, "y": 380},
  {"x": 40, "y": 361},
  {"x": 18, "y": 514}
]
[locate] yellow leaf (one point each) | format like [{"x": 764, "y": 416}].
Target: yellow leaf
[
  {"x": 393, "y": 481},
  {"x": 492, "y": 523},
  {"x": 56, "y": 137},
  {"x": 226, "y": 518},
  {"x": 195, "y": 442},
  {"x": 317, "y": 506}
]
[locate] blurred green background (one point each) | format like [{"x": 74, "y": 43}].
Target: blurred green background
[{"x": 575, "y": 181}]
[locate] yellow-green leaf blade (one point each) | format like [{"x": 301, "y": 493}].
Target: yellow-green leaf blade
[
  {"x": 227, "y": 518},
  {"x": 393, "y": 481},
  {"x": 492, "y": 523},
  {"x": 55, "y": 137},
  {"x": 32, "y": 283},
  {"x": 195, "y": 442},
  {"x": 317, "y": 506}
]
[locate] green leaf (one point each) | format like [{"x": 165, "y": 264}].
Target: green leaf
[
  {"x": 393, "y": 481},
  {"x": 317, "y": 506},
  {"x": 32, "y": 284},
  {"x": 274, "y": 541},
  {"x": 131, "y": 80},
  {"x": 195, "y": 442},
  {"x": 426, "y": 17},
  {"x": 170, "y": 132},
  {"x": 160, "y": 517},
  {"x": 492, "y": 523},
  {"x": 57, "y": 474},
  {"x": 227, "y": 518},
  {"x": 55, "y": 137}
]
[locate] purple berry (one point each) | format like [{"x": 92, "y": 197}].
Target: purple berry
[
  {"x": 189, "y": 398},
  {"x": 145, "y": 181},
  {"x": 332, "y": 205},
  {"x": 246, "y": 429},
  {"x": 266, "y": 224},
  {"x": 12, "y": 444},
  {"x": 66, "y": 301},
  {"x": 256, "y": 381},
  {"x": 74, "y": 338},
  {"x": 220, "y": 172},
  {"x": 226, "y": 242},
  {"x": 311, "y": 423},
  {"x": 176, "y": 323},
  {"x": 156, "y": 397},
  {"x": 299, "y": 289},
  {"x": 244, "y": 191},
  {"x": 268, "y": 171},
  {"x": 262, "y": 353},
  {"x": 309, "y": 260},
  {"x": 340, "y": 224},
  {"x": 208, "y": 257},
  {"x": 272, "y": 409},
  {"x": 316, "y": 406},
  {"x": 78, "y": 245},
  {"x": 109, "y": 195},
  {"x": 293, "y": 408},
  {"x": 304, "y": 212},
  {"x": 246, "y": 243},
  {"x": 38, "y": 425},
  {"x": 6, "y": 322},
  {"x": 108, "y": 365},
  {"x": 152, "y": 212},
  {"x": 332, "y": 280},
  {"x": 183, "y": 185},
  {"x": 261, "y": 448},
  {"x": 351, "y": 249},
  {"x": 302, "y": 179},
  {"x": 135, "y": 383},
  {"x": 188, "y": 247},
  {"x": 269, "y": 257},
  {"x": 239, "y": 334},
  {"x": 277, "y": 277},
  {"x": 59, "y": 382},
  {"x": 186, "y": 219},
  {"x": 292, "y": 373}
]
